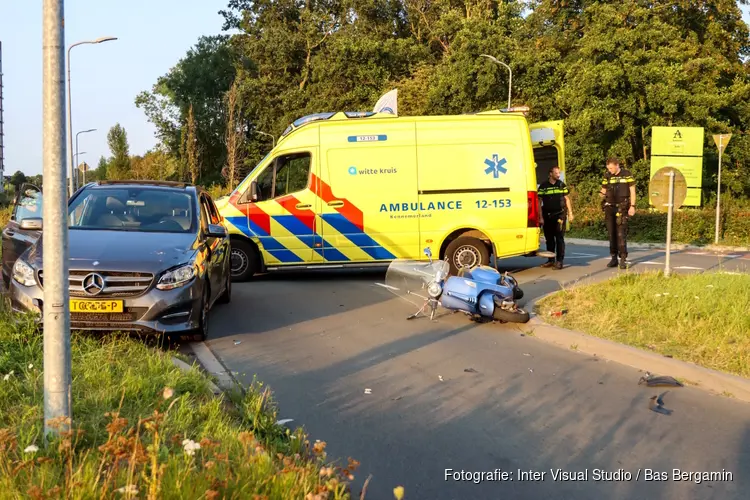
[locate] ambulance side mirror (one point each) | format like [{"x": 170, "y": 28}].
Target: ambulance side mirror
[{"x": 254, "y": 191}]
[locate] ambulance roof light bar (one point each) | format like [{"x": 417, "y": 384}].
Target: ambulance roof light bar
[
  {"x": 325, "y": 116},
  {"x": 516, "y": 109}
]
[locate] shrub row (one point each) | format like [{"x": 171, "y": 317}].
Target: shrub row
[{"x": 695, "y": 226}]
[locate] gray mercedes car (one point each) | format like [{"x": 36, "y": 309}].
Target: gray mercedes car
[{"x": 145, "y": 256}]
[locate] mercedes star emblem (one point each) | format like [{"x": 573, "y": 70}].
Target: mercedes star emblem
[{"x": 93, "y": 284}]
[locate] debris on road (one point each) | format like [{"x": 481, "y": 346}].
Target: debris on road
[
  {"x": 526, "y": 354},
  {"x": 470, "y": 370},
  {"x": 237, "y": 342},
  {"x": 656, "y": 404},
  {"x": 662, "y": 381},
  {"x": 559, "y": 313},
  {"x": 284, "y": 421},
  {"x": 368, "y": 391},
  {"x": 396, "y": 398},
  {"x": 441, "y": 378}
]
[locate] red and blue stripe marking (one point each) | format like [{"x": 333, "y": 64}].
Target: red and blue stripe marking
[{"x": 349, "y": 221}]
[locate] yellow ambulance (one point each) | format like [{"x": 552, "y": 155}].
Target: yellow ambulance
[{"x": 361, "y": 188}]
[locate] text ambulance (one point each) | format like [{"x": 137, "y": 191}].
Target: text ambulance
[{"x": 355, "y": 189}]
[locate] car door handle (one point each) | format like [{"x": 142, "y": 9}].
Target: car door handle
[
  {"x": 336, "y": 203},
  {"x": 8, "y": 232},
  {"x": 302, "y": 206}
]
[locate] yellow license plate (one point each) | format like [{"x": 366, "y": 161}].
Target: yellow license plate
[{"x": 96, "y": 306}]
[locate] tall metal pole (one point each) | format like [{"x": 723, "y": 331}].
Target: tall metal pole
[
  {"x": 76, "y": 165},
  {"x": 510, "y": 73},
  {"x": 670, "y": 211},
  {"x": 273, "y": 138},
  {"x": 70, "y": 131},
  {"x": 2, "y": 147},
  {"x": 55, "y": 308},
  {"x": 70, "y": 116},
  {"x": 718, "y": 193}
]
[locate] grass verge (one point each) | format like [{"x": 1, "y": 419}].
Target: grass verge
[
  {"x": 143, "y": 428},
  {"x": 701, "y": 318}
]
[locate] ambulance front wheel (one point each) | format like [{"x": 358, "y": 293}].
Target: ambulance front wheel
[
  {"x": 244, "y": 259},
  {"x": 466, "y": 251}
]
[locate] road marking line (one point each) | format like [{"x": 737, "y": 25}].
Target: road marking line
[
  {"x": 689, "y": 267},
  {"x": 652, "y": 263},
  {"x": 581, "y": 255}
]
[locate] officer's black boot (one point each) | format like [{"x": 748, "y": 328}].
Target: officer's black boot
[{"x": 613, "y": 262}]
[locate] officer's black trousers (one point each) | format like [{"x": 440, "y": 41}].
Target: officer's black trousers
[
  {"x": 554, "y": 234},
  {"x": 618, "y": 233}
]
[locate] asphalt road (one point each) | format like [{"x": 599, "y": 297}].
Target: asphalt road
[{"x": 320, "y": 340}]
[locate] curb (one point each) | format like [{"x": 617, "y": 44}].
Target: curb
[
  {"x": 187, "y": 368},
  {"x": 691, "y": 374},
  {"x": 659, "y": 246},
  {"x": 213, "y": 366}
]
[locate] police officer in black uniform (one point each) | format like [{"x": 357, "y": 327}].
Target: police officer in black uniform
[
  {"x": 618, "y": 203},
  {"x": 555, "y": 209}
]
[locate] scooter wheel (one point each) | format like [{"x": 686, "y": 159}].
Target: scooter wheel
[{"x": 517, "y": 316}]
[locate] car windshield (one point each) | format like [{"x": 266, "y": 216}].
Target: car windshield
[{"x": 143, "y": 209}]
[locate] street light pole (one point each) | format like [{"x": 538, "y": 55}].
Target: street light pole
[
  {"x": 76, "y": 165},
  {"x": 510, "y": 73},
  {"x": 70, "y": 117},
  {"x": 55, "y": 307},
  {"x": 269, "y": 135}
]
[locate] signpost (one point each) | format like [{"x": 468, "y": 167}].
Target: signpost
[
  {"x": 721, "y": 141},
  {"x": 680, "y": 148},
  {"x": 667, "y": 191}
]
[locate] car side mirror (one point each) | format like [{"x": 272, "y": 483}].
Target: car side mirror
[
  {"x": 254, "y": 190},
  {"x": 216, "y": 231},
  {"x": 32, "y": 224}
]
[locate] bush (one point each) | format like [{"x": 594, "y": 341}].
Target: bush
[
  {"x": 5, "y": 214},
  {"x": 693, "y": 226},
  {"x": 144, "y": 428}
]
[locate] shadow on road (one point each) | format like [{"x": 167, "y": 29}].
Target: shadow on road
[
  {"x": 574, "y": 413},
  {"x": 411, "y": 431},
  {"x": 277, "y": 301}
]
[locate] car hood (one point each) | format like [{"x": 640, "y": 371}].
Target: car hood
[{"x": 123, "y": 250}]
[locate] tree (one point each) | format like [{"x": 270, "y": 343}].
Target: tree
[
  {"x": 17, "y": 179},
  {"x": 191, "y": 148},
  {"x": 611, "y": 70},
  {"x": 233, "y": 135},
  {"x": 118, "y": 166},
  {"x": 199, "y": 81}
]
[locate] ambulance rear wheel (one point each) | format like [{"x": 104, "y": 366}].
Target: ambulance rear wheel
[
  {"x": 244, "y": 260},
  {"x": 466, "y": 251}
]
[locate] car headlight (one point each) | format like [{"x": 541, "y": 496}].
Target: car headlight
[
  {"x": 176, "y": 277},
  {"x": 23, "y": 273}
]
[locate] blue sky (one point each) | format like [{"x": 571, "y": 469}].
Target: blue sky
[{"x": 105, "y": 78}]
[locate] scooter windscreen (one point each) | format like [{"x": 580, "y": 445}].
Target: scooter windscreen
[{"x": 409, "y": 279}]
